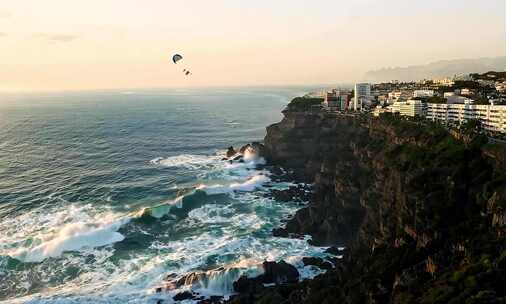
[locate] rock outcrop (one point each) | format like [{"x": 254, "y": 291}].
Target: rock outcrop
[{"x": 421, "y": 212}]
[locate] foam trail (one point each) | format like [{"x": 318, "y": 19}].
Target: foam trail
[
  {"x": 249, "y": 185},
  {"x": 188, "y": 161}
]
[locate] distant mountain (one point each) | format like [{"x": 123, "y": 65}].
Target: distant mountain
[{"x": 438, "y": 69}]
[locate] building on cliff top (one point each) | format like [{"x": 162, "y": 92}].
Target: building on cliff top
[
  {"x": 362, "y": 96},
  {"x": 337, "y": 100},
  {"x": 492, "y": 117}
]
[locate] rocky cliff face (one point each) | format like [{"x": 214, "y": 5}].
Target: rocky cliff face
[{"x": 417, "y": 207}]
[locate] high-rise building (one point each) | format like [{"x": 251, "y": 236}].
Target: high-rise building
[{"x": 362, "y": 95}]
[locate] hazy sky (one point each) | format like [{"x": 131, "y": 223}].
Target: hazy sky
[{"x": 95, "y": 44}]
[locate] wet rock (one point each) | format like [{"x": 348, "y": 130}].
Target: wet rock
[
  {"x": 215, "y": 299},
  {"x": 256, "y": 147},
  {"x": 185, "y": 295},
  {"x": 244, "y": 148},
  {"x": 318, "y": 262},
  {"x": 299, "y": 193},
  {"x": 238, "y": 157},
  {"x": 279, "y": 273},
  {"x": 280, "y": 232},
  {"x": 276, "y": 170},
  {"x": 274, "y": 273},
  {"x": 259, "y": 149},
  {"x": 172, "y": 282},
  {"x": 231, "y": 152},
  {"x": 246, "y": 285},
  {"x": 334, "y": 251}
]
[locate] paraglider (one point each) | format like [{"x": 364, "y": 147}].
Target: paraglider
[{"x": 176, "y": 58}]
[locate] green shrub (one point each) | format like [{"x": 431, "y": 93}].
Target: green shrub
[{"x": 301, "y": 104}]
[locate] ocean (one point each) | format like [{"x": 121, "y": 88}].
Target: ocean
[{"x": 105, "y": 194}]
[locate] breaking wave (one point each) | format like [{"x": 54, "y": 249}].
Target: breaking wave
[{"x": 225, "y": 234}]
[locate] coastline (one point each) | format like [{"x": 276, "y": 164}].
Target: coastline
[{"x": 409, "y": 201}]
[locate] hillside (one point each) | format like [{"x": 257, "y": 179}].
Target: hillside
[{"x": 438, "y": 69}]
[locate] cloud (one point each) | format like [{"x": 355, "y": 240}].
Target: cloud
[{"x": 56, "y": 37}]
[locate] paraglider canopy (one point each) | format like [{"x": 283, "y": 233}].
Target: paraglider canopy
[{"x": 176, "y": 58}]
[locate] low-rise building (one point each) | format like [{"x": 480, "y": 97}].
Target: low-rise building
[
  {"x": 409, "y": 108},
  {"x": 380, "y": 110},
  {"x": 444, "y": 82},
  {"x": 337, "y": 100},
  {"x": 457, "y": 99},
  {"x": 423, "y": 93}
]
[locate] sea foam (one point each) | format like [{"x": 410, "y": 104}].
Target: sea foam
[{"x": 71, "y": 237}]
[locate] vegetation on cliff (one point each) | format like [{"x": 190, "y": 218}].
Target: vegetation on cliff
[
  {"x": 422, "y": 210},
  {"x": 301, "y": 104}
]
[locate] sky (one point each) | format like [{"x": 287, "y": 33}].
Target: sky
[{"x": 105, "y": 44}]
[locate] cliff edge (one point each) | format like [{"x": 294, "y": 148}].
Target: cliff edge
[{"x": 421, "y": 211}]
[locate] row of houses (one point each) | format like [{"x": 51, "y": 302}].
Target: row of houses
[{"x": 492, "y": 117}]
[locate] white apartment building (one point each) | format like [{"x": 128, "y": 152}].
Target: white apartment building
[
  {"x": 362, "y": 95},
  {"x": 423, "y": 93},
  {"x": 410, "y": 108},
  {"x": 492, "y": 117}
]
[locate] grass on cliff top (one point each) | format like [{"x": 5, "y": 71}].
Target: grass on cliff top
[
  {"x": 301, "y": 104},
  {"x": 416, "y": 128}
]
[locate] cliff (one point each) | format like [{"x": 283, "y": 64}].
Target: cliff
[{"x": 421, "y": 212}]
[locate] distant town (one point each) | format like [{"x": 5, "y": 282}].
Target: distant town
[{"x": 450, "y": 101}]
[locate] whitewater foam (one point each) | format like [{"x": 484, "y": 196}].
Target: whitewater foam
[
  {"x": 74, "y": 236},
  {"x": 249, "y": 185},
  {"x": 188, "y": 161},
  {"x": 239, "y": 242}
]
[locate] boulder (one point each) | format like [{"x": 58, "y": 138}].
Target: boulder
[
  {"x": 280, "y": 232},
  {"x": 244, "y": 148},
  {"x": 318, "y": 262},
  {"x": 231, "y": 152},
  {"x": 279, "y": 272},
  {"x": 334, "y": 251},
  {"x": 212, "y": 300},
  {"x": 185, "y": 295}
]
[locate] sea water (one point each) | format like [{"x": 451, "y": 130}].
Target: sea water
[{"x": 104, "y": 194}]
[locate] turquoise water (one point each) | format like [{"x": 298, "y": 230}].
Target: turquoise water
[{"x": 103, "y": 194}]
